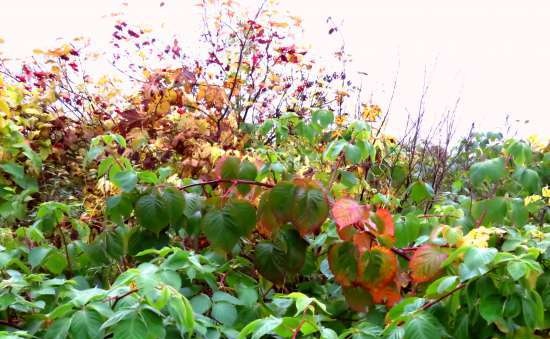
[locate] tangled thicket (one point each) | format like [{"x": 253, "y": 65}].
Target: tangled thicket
[{"x": 242, "y": 191}]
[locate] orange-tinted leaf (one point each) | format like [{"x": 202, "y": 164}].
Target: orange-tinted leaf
[
  {"x": 342, "y": 260},
  {"x": 267, "y": 221},
  {"x": 363, "y": 241},
  {"x": 385, "y": 294},
  {"x": 377, "y": 266},
  {"x": 426, "y": 262},
  {"x": 384, "y": 222},
  {"x": 357, "y": 298},
  {"x": 346, "y": 212}
]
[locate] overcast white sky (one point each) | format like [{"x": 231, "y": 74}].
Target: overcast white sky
[{"x": 494, "y": 55}]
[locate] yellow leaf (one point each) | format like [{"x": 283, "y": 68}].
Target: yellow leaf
[{"x": 371, "y": 112}]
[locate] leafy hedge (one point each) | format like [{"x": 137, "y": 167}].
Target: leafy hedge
[{"x": 192, "y": 220}]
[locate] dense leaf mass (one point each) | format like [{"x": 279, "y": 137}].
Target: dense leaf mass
[{"x": 234, "y": 193}]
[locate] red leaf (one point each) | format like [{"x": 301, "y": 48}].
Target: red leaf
[
  {"x": 385, "y": 222},
  {"x": 385, "y": 294},
  {"x": 346, "y": 212},
  {"x": 426, "y": 262}
]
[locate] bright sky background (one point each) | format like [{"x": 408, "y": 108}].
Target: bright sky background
[{"x": 494, "y": 55}]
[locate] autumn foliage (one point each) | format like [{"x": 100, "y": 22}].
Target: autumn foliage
[{"x": 245, "y": 191}]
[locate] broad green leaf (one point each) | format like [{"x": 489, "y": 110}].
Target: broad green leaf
[
  {"x": 139, "y": 325},
  {"x": 517, "y": 269},
  {"x": 490, "y": 307},
  {"x": 310, "y": 208},
  {"x": 86, "y": 324},
  {"x": 55, "y": 262},
  {"x": 490, "y": 211},
  {"x": 529, "y": 179},
  {"x": 224, "y": 227},
  {"x": 334, "y": 149},
  {"x": 322, "y": 118},
  {"x": 489, "y": 170},
  {"x": 152, "y": 212},
  {"x": 229, "y": 168},
  {"x": 174, "y": 203},
  {"x": 342, "y": 258},
  {"x": 476, "y": 261},
  {"x": 59, "y": 329},
  {"x": 247, "y": 171},
  {"x": 283, "y": 257},
  {"x": 521, "y": 152},
  {"x": 422, "y": 326},
  {"x": 225, "y": 313},
  {"x": 119, "y": 207},
  {"x": 260, "y": 327},
  {"x": 353, "y": 154},
  {"x": 182, "y": 311},
  {"x": 126, "y": 180},
  {"x": 533, "y": 309},
  {"x": 442, "y": 285},
  {"x": 37, "y": 256},
  {"x": 421, "y": 191},
  {"x": 201, "y": 303}
]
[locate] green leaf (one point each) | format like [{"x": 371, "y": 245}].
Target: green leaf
[
  {"x": 119, "y": 207},
  {"x": 260, "y": 327},
  {"x": 490, "y": 307},
  {"x": 148, "y": 177},
  {"x": 342, "y": 258},
  {"x": 421, "y": 191},
  {"x": 517, "y": 269},
  {"x": 182, "y": 311},
  {"x": 423, "y": 326},
  {"x": 521, "y": 152},
  {"x": 225, "y": 313},
  {"x": 528, "y": 178},
  {"x": 247, "y": 171},
  {"x": 201, "y": 303},
  {"x": 310, "y": 209},
  {"x": 220, "y": 296},
  {"x": 476, "y": 262},
  {"x": 281, "y": 258},
  {"x": 533, "y": 309},
  {"x": 280, "y": 201},
  {"x": 442, "y": 285},
  {"x": 334, "y": 149},
  {"x": 37, "y": 256},
  {"x": 224, "y": 227},
  {"x": 174, "y": 202},
  {"x": 139, "y": 325},
  {"x": 55, "y": 262},
  {"x": 348, "y": 179},
  {"x": 352, "y": 153},
  {"x": 489, "y": 170},
  {"x": 230, "y": 168},
  {"x": 322, "y": 118},
  {"x": 490, "y": 211},
  {"x": 152, "y": 213},
  {"x": 126, "y": 180},
  {"x": 59, "y": 329},
  {"x": 86, "y": 324}
]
